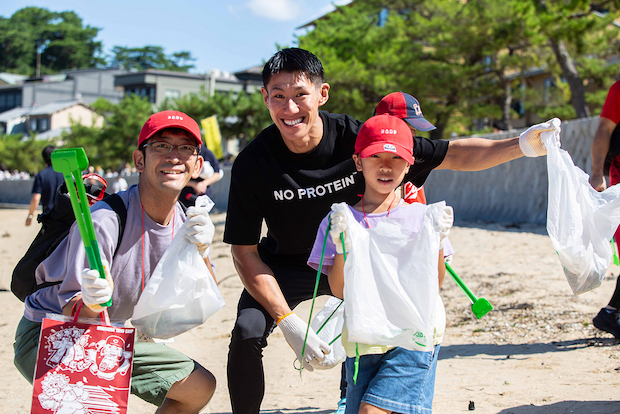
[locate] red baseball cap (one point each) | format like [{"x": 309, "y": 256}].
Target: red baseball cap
[
  {"x": 406, "y": 107},
  {"x": 169, "y": 119},
  {"x": 385, "y": 133}
]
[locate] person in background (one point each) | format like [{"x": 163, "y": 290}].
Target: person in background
[
  {"x": 606, "y": 161},
  {"x": 211, "y": 173},
  {"x": 45, "y": 185}
]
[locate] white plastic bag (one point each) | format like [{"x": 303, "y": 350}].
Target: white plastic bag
[
  {"x": 580, "y": 220},
  {"x": 328, "y": 325},
  {"x": 391, "y": 281},
  {"x": 181, "y": 293}
]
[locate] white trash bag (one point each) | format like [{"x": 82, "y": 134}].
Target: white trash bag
[
  {"x": 330, "y": 321},
  {"x": 580, "y": 220},
  {"x": 391, "y": 281},
  {"x": 181, "y": 293}
]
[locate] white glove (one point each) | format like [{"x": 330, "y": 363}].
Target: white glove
[
  {"x": 96, "y": 290},
  {"x": 531, "y": 141},
  {"x": 338, "y": 225},
  {"x": 294, "y": 330},
  {"x": 445, "y": 222},
  {"x": 200, "y": 229}
]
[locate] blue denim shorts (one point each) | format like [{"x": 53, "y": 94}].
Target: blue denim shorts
[{"x": 400, "y": 381}]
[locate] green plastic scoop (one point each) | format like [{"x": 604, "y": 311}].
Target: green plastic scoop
[
  {"x": 480, "y": 306},
  {"x": 70, "y": 162}
]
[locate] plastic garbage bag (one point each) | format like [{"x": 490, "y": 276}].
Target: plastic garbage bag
[
  {"x": 391, "y": 281},
  {"x": 580, "y": 220},
  {"x": 181, "y": 293},
  {"x": 328, "y": 325}
]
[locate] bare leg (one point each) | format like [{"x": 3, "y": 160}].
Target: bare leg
[
  {"x": 189, "y": 395},
  {"x": 366, "y": 408}
]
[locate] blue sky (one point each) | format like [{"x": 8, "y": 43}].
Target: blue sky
[{"x": 227, "y": 35}]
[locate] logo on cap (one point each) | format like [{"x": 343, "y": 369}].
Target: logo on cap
[
  {"x": 175, "y": 117},
  {"x": 389, "y": 147},
  {"x": 417, "y": 109},
  {"x": 388, "y": 131}
]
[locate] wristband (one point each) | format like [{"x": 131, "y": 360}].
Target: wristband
[
  {"x": 283, "y": 316},
  {"x": 30, "y": 216}
]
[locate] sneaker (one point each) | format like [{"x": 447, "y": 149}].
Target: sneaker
[
  {"x": 608, "y": 320},
  {"x": 341, "y": 406}
]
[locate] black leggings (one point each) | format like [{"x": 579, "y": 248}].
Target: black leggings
[
  {"x": 615, "y": 299},
  {"x": 246, "y": 379}
]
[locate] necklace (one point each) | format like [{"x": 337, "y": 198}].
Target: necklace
[{"x": 364, "y": 211}]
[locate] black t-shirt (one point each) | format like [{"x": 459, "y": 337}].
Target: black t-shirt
[
  {"x": 46, "y": 183},
  {"x": 294, "y": 192}
]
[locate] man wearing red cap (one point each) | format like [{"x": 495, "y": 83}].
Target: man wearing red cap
[
  {"x": 167, "y": 157},
  {"x": 289, "y": 176}
]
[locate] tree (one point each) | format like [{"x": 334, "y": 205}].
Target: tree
[
  {"x": 463, "y": 59},
  {"x": 112, "y": 145},
  {"x": 151, "y": 57},
  {"x": 63, "y": 40},
  {"x": 22, "y": 154},
  {"x": 582, "y": 37},
  {"x": 240, "y": 116}
]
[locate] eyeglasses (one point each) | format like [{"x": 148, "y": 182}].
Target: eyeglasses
[{"x": 164, "y": 148}]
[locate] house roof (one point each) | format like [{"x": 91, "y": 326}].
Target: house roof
[
  {"x": 52, "y": 133},
  {"x": 53, "y": 107},
  {"x": 11, "y": 114},
  {"x": 11, "y": 78}
]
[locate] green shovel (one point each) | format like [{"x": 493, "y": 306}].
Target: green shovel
[
  {"x": 71, "y": 162},
  {"x": 480, "y": 306}
]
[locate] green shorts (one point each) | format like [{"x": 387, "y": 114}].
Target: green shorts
[{"x": 155, "y": 366}]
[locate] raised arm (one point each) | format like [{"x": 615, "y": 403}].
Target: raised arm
[
  {"x": 600, "y": 147},
  {"x": 259, "y": 280}
]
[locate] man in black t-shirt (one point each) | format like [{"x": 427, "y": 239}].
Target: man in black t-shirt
[
  {"x": 45, "y": 185},
  {"x": 289, "y": 176}
]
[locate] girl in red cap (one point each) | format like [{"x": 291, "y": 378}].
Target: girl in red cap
[{"x": 384, "y": 378}]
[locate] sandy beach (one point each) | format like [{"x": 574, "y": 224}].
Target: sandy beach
[{"x": 536, "y": 352}]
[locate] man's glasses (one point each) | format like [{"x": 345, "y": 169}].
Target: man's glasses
[{"x": 164, "y": 148}]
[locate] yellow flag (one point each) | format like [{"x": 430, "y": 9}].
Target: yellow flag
[{"x": 213, "y": 137}]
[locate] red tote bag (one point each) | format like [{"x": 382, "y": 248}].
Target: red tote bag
[{"x": 83, "y": 368}]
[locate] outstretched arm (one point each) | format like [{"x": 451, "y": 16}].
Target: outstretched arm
[
  {"x": 475, "y": 154},
  {"x": 600, "y": 147}
]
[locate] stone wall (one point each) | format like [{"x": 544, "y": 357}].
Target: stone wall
[{"x": 514, "y": 192}]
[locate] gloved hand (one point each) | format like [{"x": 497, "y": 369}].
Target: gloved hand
[
  {"x": 96, "y": 290},
  {"x": 531, "y": 141},
  {"x": 294, "y": 330},
  {"x": 200, "y": 229},
  {"x": 338, "y": 225},
  {"x": 445, "y": 222},
  {"x": 327, "y": 363}
]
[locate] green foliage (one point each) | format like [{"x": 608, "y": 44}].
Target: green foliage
[
  {"x": 239, "y": 115},
  {"x": 151, "y": 57},
  {"x": 461, "y": 59},
  {"x": 21, "y": 154},
  {"x": 64, "y": 41},
  {"x": 112, "y": 145}
]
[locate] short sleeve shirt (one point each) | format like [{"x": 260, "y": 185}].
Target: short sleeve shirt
[
  {"x": 293, "y": 192},
  {"x": 611, "y": 108},
  {"x": 46, "y": 183}
]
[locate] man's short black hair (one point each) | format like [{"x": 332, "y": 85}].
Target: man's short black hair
[
  {"x": 292, "y": 60},
  {"x": 47, "y": 154}
]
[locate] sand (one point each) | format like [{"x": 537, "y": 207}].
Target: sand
[{"x": 535, "y": 352}]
